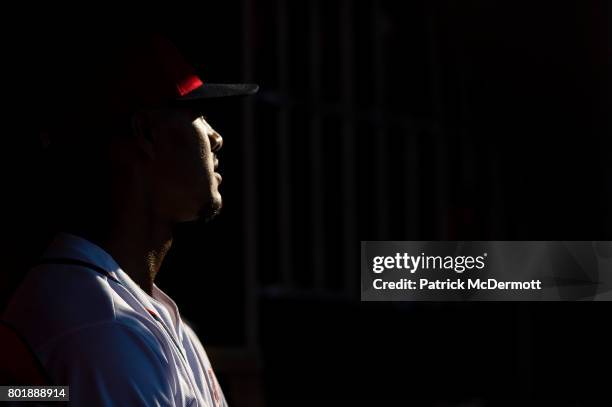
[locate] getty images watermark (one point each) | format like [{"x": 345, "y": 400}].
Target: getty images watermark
[
  {"x": 486, "y": 271},
  {"x": 457, "y": 264}
]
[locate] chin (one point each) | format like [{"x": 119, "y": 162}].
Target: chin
[{"x": 211, "y": 209}]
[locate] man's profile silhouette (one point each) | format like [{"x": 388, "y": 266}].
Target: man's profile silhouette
[{"x": 133, "y": 157}]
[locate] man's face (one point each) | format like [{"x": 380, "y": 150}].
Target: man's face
[{"x": 185, "y": 162}]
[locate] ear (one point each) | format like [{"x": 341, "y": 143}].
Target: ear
[{"x": 143, "y": 134}]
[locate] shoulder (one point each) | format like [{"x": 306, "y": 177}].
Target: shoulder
[
  {"x": 77, "y": 324},
  {"x": 57, "y": 299},
  {"x": 110, "y": 361}
]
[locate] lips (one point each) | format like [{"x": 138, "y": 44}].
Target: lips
[{"x": 216, "y": 167}]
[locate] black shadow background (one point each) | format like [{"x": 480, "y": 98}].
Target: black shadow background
[{"x": 378, "y": 120}]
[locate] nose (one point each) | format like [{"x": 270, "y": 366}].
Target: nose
[{"x": 216, "y": 141}]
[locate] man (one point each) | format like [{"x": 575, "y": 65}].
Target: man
[{"x": 136, "y": 158}]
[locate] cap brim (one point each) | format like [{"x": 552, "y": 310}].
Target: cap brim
[{"x": 219, "y": 90}]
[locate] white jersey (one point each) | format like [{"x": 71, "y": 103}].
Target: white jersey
[{"x": 95, "y": 330}]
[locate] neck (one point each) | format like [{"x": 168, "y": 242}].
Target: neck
[
  {"x": 137, "y": 239},
  {"x": 140, "y": 251}
]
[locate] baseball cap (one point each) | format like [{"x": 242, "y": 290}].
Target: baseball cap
[
  {"x": 156, "y": 72},
  {"x": 116, "y": 75}
]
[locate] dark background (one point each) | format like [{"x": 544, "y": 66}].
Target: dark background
[{"x": 383, "y": 120}]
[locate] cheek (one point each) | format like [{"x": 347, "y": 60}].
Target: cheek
[
  {"x": 198, "y": 160},
  {"x": 188, "y": 152},
  {"x": 194, "y": 180},
  {"x": 184, "y": 167}
]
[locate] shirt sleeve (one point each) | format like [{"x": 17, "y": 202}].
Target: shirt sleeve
[{"x": 110, "y": 364}]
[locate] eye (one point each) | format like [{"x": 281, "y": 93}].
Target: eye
[{"x": 197, "y": 113}]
